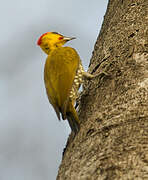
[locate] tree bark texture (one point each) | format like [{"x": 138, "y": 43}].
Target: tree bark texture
[{"x": 112, "y": 143}]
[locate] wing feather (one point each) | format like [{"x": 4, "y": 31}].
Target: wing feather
[{"x": 60, "y": 70}]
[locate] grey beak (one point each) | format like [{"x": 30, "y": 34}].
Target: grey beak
[{"x": 69, "y": 38}]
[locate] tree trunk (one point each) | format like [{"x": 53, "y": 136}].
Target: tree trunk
[{"x": 113, "y": 139}]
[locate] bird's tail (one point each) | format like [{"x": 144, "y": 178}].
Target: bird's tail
[{"x": 73, "y": 118}]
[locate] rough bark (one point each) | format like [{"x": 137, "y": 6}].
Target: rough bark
[{"x": 113, "y": 139}]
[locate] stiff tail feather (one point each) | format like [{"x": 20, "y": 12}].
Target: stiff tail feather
[{"x": 73, "y": 119}]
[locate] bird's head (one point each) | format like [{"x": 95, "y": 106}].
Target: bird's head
[{"x": 51, "y": 40}]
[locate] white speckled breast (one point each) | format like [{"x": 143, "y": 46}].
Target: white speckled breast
[{"x": 78, "y": 80}]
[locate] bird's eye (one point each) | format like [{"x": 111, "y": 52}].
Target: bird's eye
[{"x": 60, "y": 38}]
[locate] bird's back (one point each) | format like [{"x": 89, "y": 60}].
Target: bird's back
[{"x": 60, "y": 70}]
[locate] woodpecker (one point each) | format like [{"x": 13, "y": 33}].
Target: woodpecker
[{"x": 63, "y": 75}]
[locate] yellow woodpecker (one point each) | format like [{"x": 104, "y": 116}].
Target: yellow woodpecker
[{"x": 63, "y": 75}]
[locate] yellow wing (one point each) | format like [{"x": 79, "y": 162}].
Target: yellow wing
[{"x": 60, "y": 70}]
